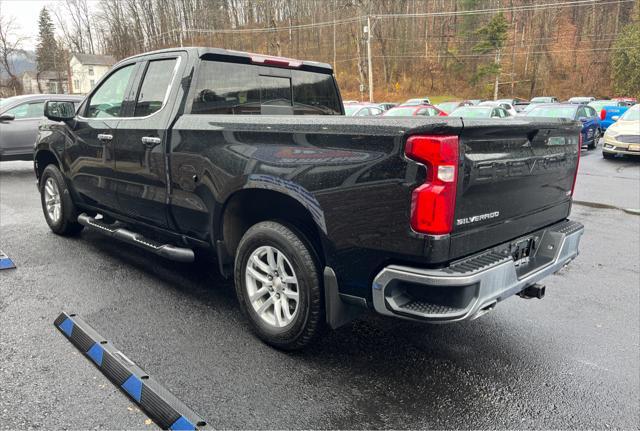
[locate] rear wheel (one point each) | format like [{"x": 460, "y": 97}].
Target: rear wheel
[
  {"x": 57, "y": 206},
  {"x": 278, "y": 285}
]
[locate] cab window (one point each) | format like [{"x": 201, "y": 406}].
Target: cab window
[
  {"x": 157, "y": 80},
  {"x": 108, "y": 99},
  {"x": 243, "y": 89}
]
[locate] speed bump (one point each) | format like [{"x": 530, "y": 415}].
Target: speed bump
[
  {"x": 161, "y": 406},
  {"x": 5, "y": 262}
]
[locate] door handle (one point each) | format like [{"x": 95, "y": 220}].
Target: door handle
[
  {"x": 151, "y": 141},
  {"x": 104, "y": 137}
]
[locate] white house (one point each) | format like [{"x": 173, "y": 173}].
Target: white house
[
  {"x": 85, "y": 70},
  {"x": 51, "y": 82}
]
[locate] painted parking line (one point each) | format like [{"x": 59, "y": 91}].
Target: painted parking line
[{"x": 157, "y": 402}]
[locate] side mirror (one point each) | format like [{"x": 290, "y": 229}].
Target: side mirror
[
  {"x": 583, "y": 119},
  {"x": 7, "y": 117},
  {"x": 615, "y": 117},
  {"x": 59, "y": 110}
]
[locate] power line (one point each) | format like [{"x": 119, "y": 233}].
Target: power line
[
  {"x": 504, "y": 9},
  {"x": 493, "y": 55},
  {"x": 362, "y": 18}
]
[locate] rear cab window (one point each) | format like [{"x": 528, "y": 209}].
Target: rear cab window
[{"x": 248, "y": 89}]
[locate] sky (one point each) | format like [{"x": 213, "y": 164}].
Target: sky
[{"x": 26, "y": 14}]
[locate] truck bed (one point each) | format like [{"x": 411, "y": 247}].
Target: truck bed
[{"x": 353, "y": 176}]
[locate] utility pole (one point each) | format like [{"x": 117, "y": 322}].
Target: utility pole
[{"x": 369, "y": 65}]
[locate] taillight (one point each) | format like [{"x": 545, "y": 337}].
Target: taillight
[
  {"x": 433, "y": 203},
  {"x": 603, "y": 114},
  {"x": 575, "y": 177}
]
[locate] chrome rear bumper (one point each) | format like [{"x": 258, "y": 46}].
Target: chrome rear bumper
[{"x": 470, "y": 287}]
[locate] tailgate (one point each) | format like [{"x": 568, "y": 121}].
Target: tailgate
[{"x": 516, "y": 177}]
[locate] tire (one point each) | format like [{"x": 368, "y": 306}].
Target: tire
[
  {"x": 64, "y": 221},
  {"x": 608, "y": 155},
  {"x": 305, "y": 322},
  {"x": 594, "y": 142}
]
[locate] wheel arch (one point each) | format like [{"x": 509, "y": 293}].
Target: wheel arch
[
  {"x": 41, "y": 159},
  {"x": 249, "y": 206}
]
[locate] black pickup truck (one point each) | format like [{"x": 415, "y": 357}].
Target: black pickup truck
[{"x": 316, "y": 215}]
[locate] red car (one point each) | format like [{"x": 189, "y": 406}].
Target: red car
[{"x": 410, "y": 111}]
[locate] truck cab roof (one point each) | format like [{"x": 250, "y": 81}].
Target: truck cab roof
[{"x": 244, "y": 57}]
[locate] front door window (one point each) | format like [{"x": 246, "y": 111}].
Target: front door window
[{"x": 108, "y": 99}]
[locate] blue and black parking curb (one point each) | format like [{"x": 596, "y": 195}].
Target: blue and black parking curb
[{"x": 163, "y": 408}]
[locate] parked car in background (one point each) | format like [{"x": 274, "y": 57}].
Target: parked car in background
[
  {"x": 586, "y": 114},
  {"x": 599, "y": 104},
  {"x": 410, "y": 111},
  {"x": 609, "y": 111},
  {"x": 20, "y": 117},
  {"x": 448, "y": 107},
  {"x": 504, "y": 105},
  {"x": 517, "y": 103},
  {"x": 630, "y": 101},
  {"x": 474, "y": 102},
  {"x": 418, "y": 101},
  {"x": 623, "y": 137},
  {"x": 362, "y": 110},
  {"x": 544, "y": 99},
  {"x": 385, "y": 106},
  {"x": 514, "y": 101},
  {"x": 480, "y": 112},
  {"x": 350, "y": 101},
  {"x": 519, "y": 107},
  {"x": 610, "y": 114},
  {"x": 582, "y": 100},
  {"x": 527, "y": 108}
]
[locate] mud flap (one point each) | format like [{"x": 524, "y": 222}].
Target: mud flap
[{"x": 338, "y": 311}]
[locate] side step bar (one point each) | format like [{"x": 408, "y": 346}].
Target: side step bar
[{"x": 168, "y": 251}]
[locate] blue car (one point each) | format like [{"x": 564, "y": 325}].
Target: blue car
[
  {"x": 591, "y": 130},
  {"x": 609, "y": 111}
]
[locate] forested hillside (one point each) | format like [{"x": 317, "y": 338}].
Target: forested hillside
[{"x": 417, "y": 46}]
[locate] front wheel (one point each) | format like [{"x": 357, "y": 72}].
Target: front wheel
[
  {"x": 59, "y": 210},
  {"x": 278, "y": 285},
  {"x": 608, "y": 155},
  {"x": 596, "y": 139}
]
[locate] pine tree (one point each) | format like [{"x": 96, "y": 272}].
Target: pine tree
[
  {"x": 625, "y": 62},
  {"x": 48, "y": 56},
  {"x": 492, "y": 39}
]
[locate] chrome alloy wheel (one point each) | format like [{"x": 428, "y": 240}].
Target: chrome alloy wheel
[
  {"x": 52, "y": 200},
  {"x": 272, "y": 286}
]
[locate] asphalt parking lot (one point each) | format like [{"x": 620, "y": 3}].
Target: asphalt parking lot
[{"x": 570, "y": 360}]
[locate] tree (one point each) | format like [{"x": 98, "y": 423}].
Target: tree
[
  {"x": 10, "y": 47},
  {"x": 492, "y": 38},
  {"x": 48, "y": 55},
  {"x": 625, "y": 61}
]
